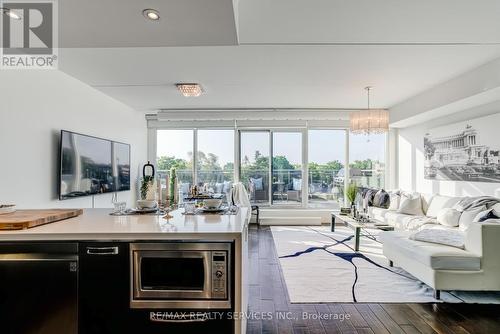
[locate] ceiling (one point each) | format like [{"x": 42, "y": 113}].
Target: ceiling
[
  {"x": 369, "y": 21},
  {"x": 120, "y": 23},
  {"x": 275, "y": 54}
]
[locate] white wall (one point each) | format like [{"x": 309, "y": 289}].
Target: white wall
[
  {"x": 34, "y": 107},
  {"x": 411, "y": 158}
]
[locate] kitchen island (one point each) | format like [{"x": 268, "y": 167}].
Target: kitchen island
[{"x": 99, "y": 234}]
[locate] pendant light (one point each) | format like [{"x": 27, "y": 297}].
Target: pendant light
[{"x": 369, "y": 121}]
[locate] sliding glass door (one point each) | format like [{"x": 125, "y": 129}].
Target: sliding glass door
[
  {"x": 326, "y": 160},
  {"x": 287, "y": 185},
  {"x": 279, "y": 167},
  {"x": 255, "y": 164},
  {"x": 271, "y": 166}
]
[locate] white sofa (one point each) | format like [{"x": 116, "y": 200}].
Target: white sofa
[
  {"x": 431, "y": 205},
  {"x": 475, "y": 268}
]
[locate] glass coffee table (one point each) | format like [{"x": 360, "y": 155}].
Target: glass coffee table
[{"x": 358, "y": 227}]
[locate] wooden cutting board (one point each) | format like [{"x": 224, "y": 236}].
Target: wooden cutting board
[{"x": 23, "y": 219}]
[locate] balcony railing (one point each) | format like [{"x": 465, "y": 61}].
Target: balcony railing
[{"x": 320, "y": 181}]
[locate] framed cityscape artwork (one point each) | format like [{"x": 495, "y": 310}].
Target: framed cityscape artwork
[{"x": 464, "y": 151}]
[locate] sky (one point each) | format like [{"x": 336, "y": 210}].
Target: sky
[{"x": 324, "y": 145}]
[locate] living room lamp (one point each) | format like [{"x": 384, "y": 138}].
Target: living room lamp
[{"x": 369, "y": 121}]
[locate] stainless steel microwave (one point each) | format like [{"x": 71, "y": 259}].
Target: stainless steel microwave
[{"x": 181, "y": 275}]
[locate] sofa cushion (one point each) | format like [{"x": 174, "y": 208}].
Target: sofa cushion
[
  {"x": 439, "y": 202},
  {"x": 394, "y": 200},
  {"x": 449, "y": 217},
  {"x": 438, "y": 257},
  {"x": 426, "y": 201},
  {"x": 468, "y": 216},
  {"x": 258, "y": 183},
  {"x": 296, "y": 184},
  {"x": 377, "y": 213},
  {"x": 411, "y": 205}
]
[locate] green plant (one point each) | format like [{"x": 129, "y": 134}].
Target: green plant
[
  {"x": 351, "y": 192},
  {"x": 146, "y": 182}
]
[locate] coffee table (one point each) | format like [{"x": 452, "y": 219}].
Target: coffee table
[{"x": 357, "y": 227}]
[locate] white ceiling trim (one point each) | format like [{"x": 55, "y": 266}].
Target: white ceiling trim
[{"x": 253, "y": 114}]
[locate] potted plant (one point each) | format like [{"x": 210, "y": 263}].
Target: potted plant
[
  {"x": 351, "y": 193},
  {"x": 147, "y": 181}
]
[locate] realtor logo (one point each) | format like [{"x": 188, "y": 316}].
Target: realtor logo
[{"x": 29, "y": 35}]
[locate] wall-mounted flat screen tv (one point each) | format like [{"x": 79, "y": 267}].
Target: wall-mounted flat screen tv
[{"x": 90, "y": 165}]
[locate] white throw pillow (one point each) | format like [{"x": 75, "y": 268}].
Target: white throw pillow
[
  {"x": 448, "y": 217},
  {"x": 468, "y": 217},
  {"x": 395, "y": 199},
  {"x": 411, "y": 205},
  {"x": 426, "y": 201},
  {"x": 439, "y": 202}
]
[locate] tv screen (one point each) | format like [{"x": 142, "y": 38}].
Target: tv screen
[{"x": 91, "y": 165}]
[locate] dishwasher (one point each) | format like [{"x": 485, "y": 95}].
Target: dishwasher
[{"x": 38, "y": 288}]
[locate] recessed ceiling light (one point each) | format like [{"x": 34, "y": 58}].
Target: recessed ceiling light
[
  {"x": 190, "y": 89},
  {"x": 10, "y": 13},
  {"x": 151, "y": 14}
]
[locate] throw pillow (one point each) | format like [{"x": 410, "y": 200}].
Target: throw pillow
[
  {"x": 381, "y": 199},
  {"x": 439, "y": 202},
  {"x": 394, "y": 199},
  {"x": 370, "y": 195},
  {"x": 468, "y": 216},
  {"x": 411, "y": 205},
  {"x": 426, "y": 201},
  {"x": 485, "y": 215},
  {"x": 297, "y": 184},
  {"x": 448, "y": 217},
  {"x": 257, "y": 182}
]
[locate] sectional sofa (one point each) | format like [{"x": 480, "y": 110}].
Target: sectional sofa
[{"x": 470, "y": 265}]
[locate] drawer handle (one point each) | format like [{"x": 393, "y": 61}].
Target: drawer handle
[{"x": 102, "y": 250}]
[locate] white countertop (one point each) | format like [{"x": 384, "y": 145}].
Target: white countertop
[{"x": 98, "y": 224}]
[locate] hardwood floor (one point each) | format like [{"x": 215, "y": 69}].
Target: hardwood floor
[{"x": 272, "y": 311}]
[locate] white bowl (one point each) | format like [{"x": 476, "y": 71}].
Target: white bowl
[
  {"x": 146, "y": 204},
  {"x": 212, "y": 203}
]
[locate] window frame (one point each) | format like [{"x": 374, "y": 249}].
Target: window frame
[{"x": 152, "y": 153}]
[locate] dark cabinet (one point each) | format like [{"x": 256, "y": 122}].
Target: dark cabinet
[
  {"x": 104, "y": 288},
  {"x": 38, "y": 288}
]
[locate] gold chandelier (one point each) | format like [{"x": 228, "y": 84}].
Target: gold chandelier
[{"x": 369, "y": 121}]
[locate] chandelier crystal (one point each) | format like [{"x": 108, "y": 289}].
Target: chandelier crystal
[{"x": 369, "y": 121}]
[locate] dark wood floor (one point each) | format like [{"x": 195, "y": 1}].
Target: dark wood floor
[{"x": 268, "y": 294}]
